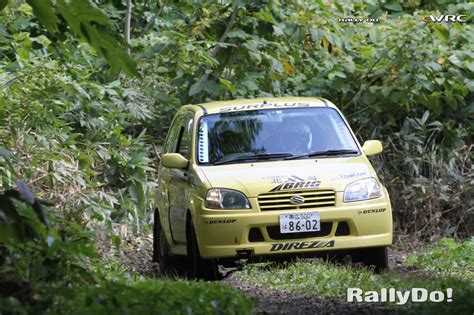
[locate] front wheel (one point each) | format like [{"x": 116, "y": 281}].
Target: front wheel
[
  {"x": 206, "y": 269},
  {"x": 372, "y": 256}
]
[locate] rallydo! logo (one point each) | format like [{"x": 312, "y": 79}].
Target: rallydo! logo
[{"x": 417, "y": 295}]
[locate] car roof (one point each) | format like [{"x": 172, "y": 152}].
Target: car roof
[{"x": 259, "y": 103}]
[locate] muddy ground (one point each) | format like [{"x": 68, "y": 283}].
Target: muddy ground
[{"x": 135, "y": 253}]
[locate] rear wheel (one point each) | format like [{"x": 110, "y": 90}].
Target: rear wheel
[
  {"x": 372, "y": 256},
  {"x": 206, "y": 269},
  {"x": 156, "y": 236}
]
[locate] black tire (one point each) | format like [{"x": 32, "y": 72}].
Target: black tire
[
  {"x": 373, "y": 256},
  {"x": 205, "y": 269},
  {"x": 156, "y": 233},
  {"x": 167, "y": 263}
]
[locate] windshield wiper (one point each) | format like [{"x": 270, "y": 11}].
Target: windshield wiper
[
  {"x": 323, "y": 153},
  {"x": 262, "y": 156}
]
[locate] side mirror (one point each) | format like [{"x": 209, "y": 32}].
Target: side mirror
[
  {"x": 372, "y": 147},
  {"x": 174, "y": 160}
]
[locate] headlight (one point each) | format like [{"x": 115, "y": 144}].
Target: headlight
[
  {"x": 226, "y": 199},
  {"x": 362, "y": 190}
]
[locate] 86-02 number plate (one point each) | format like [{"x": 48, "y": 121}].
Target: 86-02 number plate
[{"x": 299, "y": 222}]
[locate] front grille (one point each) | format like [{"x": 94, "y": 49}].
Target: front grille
[
  {"x": 342, "y": 229},
  {"x": 255, "y": 235},
  {"x": 281, "y": 200},
  {"x": 274, "y": 232}
]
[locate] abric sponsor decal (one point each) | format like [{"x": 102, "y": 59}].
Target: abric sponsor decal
[{"x": 297, "y": 185}]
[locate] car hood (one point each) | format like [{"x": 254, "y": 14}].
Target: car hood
[{"x": 254, "y": 179}]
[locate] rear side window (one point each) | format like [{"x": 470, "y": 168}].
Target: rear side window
[
  {"x": 180, "y": 136},
  {"x": 172, "y": 138}
]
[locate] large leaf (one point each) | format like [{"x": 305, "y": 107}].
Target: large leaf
[
  {"x": 442, "y": 32},
  {"x": 89, "y": 23},
  {"x": 6, "y": 156},
  {"x": 3, "y": 4},
  {"x": 393, "y": 6},
  {"x": 44, "y": 11}
]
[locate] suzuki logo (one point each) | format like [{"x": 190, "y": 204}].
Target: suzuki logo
[{"x": 297, "y": 200}]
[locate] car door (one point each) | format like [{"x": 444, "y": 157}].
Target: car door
[
  {"x": 178, "y": 181},
  {"x": 164, "y": 175}
]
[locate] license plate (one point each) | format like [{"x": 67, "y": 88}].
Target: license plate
[{"x": 299, "y": 222}]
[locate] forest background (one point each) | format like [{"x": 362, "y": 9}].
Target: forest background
[{"x": 88, "y": 90}]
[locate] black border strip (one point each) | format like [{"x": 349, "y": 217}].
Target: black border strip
[
  {"x": 324, "y": 101},
  {"x": 203, "y": 109}
]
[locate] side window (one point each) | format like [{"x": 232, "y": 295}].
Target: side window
[
  {"x": 172, "y": 139},
  {"x": 184, "y": 142}
]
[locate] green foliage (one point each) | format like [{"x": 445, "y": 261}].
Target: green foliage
[
  {"x": 87, "y": 136},
  {"x": 433, "y": 164},
  {"x": 448, "y": 258},
  {"x": 55, "y": 269},
  {"x": 86, "y": 21},
  {"x": 38, "y": 261},
  {"x": 163, "y": 296}
]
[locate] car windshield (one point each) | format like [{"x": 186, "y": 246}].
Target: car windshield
[{"x": 243, "y": 136}]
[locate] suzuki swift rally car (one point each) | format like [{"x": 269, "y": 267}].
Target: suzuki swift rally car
[{"x": 267, "y": 177}]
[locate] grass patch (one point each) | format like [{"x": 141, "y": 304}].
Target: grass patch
[
  {"x": 123, "y": 291},
  {"x": 151, "y": 296},
  {"x": 447, "y": 258},
  {"x": 118, "y": 290},
  {"x": 318, "y": 278}
]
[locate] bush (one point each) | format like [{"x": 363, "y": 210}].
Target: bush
[
  {"x": 50, "y": 265},
  {"x": 156, "y": 296}
]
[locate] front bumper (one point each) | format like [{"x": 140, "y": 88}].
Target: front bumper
[{"x": 224, "y": 233}]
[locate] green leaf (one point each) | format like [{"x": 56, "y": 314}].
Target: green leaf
[
  {"x": 228, "y": 85},
  {"x": 425, "y": 117},
  {"x": 44, "y": 11},
  {"x": 442, "y": 32},
  {"x": 6, "y": 156},
  {"x": 393, "y": 6},
  {"x": 237, "y": 34},
  {"x": 116, "y": 241},
  {"x": 50, "y": 240},
  {"x": 89, "y": 23},
  {"x": 371, "y": 8},
  {"x": 336, "y": 74},
  {"x": 454, "y": 60},
  {"x": 376, "y": 14},
  {"x": 196, "y": 88},
  {"x": 386, "y": 90},
  {"x": 338, "y": 7},
  {"x": 3, "y": 4}
]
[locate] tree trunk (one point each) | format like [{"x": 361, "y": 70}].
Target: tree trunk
[{"x": 128, "y": 17}]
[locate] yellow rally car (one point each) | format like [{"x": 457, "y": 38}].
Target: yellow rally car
[{"x": 267, "y": 177}]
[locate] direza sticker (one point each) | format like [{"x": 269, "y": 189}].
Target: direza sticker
[{"x": 301, "y": 245}]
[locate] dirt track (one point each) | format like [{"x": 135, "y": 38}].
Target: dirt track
[
  {"x": 135, "y": 253},
  {"x": 278, "y": 302}
]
